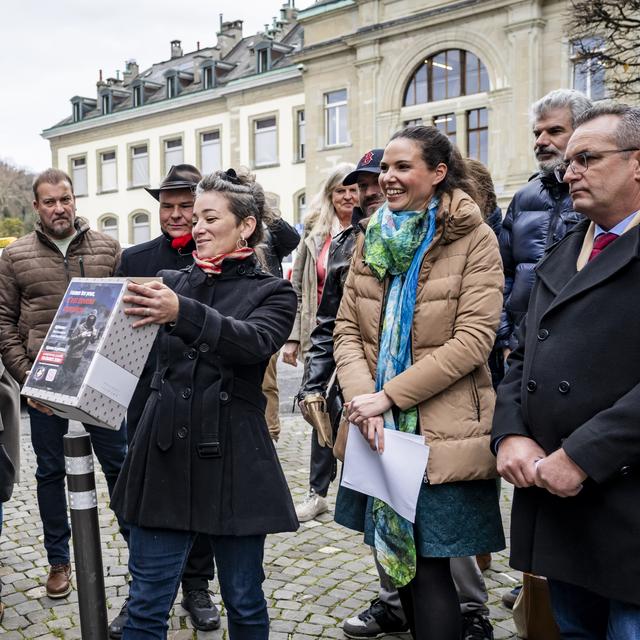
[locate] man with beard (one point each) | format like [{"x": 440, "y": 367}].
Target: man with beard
[
  {"x": 35, "y": 272},
  {"x": 171, "y": 250},
  {"x": 541, "y": 213}
]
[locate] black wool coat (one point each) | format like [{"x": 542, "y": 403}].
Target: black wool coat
[
  {"x": 201, "y": 458},
  {"x": 574, "y": 382},
  {"x": 146, "y": 260}
]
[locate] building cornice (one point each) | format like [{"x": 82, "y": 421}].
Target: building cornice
[
  {"x": 291, "y": 72},
  {"x": 414, "y": 21}
]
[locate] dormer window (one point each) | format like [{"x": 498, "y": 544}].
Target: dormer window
[
  {"x": 105, "y": 103},
  {"x": 208, "y": 77},
  {"x": 263, "y": 60},
  {"x": 138, "y": 95},
  {"x": 172, "y": 86}
]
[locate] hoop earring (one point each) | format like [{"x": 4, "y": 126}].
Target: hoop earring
[{"x": 241, "y": 243}]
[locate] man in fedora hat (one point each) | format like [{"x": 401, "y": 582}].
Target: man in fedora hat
[{"x": 171, "y": 250}]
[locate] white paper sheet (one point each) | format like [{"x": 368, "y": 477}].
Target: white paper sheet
[{"x": 394, "y": 476}]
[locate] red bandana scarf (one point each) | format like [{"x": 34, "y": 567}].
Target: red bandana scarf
[
  {"x": 182, "y": 241},
  {"x": 214, "y": 265}
]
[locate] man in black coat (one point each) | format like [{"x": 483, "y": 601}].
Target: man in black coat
[
  {"x": 540, "y": 213},
  {"x": 567, "y": 420},
  {"x": 171, "y": 250}
]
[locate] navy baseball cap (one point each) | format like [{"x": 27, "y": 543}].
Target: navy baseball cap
[{"x": 369, "y": 163}]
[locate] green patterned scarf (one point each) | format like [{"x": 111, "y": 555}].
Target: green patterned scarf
[{"x": 396, "y": 243}]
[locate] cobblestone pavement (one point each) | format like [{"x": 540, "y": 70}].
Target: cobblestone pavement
[{"x": 315, "y": 578}]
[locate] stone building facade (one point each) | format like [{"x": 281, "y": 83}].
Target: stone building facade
[{"x": 320, "y": 86}]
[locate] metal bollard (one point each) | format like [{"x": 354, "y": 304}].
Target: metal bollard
[{"x": 83, "y": 502}]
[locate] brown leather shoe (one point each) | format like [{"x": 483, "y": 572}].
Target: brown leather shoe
[
  {"x": 59, "y": 581},
  {"x": 484, "y": 561}
]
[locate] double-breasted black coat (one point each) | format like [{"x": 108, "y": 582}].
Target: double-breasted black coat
[
  {"x": 201, "y": 458},
  {"x": 574, "y": 382}
]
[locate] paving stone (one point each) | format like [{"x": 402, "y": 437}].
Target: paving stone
[{"x": 315, "y": 578}]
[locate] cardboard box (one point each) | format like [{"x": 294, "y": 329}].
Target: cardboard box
[{"x": 87, "y": 368}]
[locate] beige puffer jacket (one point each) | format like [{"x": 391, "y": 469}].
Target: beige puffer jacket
[
  {"x": 34, "y": 276},
  {"x": 458, "y": 303}
]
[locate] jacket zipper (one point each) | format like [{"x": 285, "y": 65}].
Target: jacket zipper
[
  {"x": 474, "y": 394},
  {"x": 81, "y": 263}
]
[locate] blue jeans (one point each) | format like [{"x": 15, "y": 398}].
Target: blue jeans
[
  {"x": 584, "y": 615},
  {"x": 47, "y": 432},
  {"x": 156, "y": 561}
]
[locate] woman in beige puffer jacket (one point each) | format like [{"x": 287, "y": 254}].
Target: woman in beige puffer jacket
[{"x": 445, "y": 386}]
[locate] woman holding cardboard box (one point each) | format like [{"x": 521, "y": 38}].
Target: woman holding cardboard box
[{"x": 201, "y": 460}]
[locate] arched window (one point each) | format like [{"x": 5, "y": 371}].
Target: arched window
[
  {"x": 448, "y": 74},
  {"x": 109, "y": 226},
  {"x": 140, "y": 230}
]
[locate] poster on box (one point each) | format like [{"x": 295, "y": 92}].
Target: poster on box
[{"x": 75, "y": 334}]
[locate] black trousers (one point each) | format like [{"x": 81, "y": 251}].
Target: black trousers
[
  {"x": 322, "y": 467},
  {"x": 200, "y": 568}
]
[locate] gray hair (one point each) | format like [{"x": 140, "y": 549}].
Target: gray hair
[
  {"x": 575, "y": 101},
  {"x": 245, "y": 197},
  {"x": 627, "y": 134}
]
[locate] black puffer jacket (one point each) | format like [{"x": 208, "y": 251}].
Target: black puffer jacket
[
  {"x": 319, "y": 363},
  {"x": 540, "y": 214}
]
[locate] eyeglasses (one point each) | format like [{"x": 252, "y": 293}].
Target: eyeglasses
[{"x": 580, "y": 162}]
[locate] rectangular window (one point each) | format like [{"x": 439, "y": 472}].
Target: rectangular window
[
  {"x": 105, "y": 103},
  {"x": 335, "y": 118},
  {"x": 77, "y": 112},
  {"x": 172, "y": 86},
  {"x": 139, "y": 166},
  {"x": 478, "y": 134},
  {"x": 447, "y": 124},
  {"x": 173, "y": 153},
  {"x": 588, "y": 73},
  {"x": 263, "y": 62},
  {"x": 413, "y": 122},
  {"x": 300, "y": 135},
  {"x": 210, "y": 152},
  {"x": 138, "y": 95},
  {"x": 265, "y": 142},
  {"x": 79, "y": 176},
  {"x": 108, "y": 175},
  {"x": 208, "y": 77}
]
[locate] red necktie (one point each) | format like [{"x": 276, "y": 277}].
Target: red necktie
[{"x": 600, "y": 243}]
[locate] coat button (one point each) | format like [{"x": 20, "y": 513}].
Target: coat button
[
  {"x": 626, "y": 470},
  {"x": 224, "y": 396},
  {"x": 186, "y": 394},
  {"x": 532, "y": 385},
  {"x": 203, "y": 347},
  {"x": 191, "y": 354},
  {"x": 241, "y": 269},
  {"x": 543, "y": 334},
  {"x": 564, "y": 387},
  {"x": 182, "y": 432}
]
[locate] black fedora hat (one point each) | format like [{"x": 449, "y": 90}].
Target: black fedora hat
[
  {"x": 369, "y": 163},
  {"x": 180, "y": 176}
]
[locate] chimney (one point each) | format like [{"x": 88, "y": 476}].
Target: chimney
[
  {"x": 176, "y": 49},
  {"x": 288, "y": 12},
  {"x": 229, "y": 35},
  {"x": 131, "y": 70}
]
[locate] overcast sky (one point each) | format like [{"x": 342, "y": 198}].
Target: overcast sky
[{"x": 52, "y": 51}]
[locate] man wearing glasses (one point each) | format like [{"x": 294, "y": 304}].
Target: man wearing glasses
[
  {"x": 567, "y": 420},
  {"x": 540, "y": 213}
]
